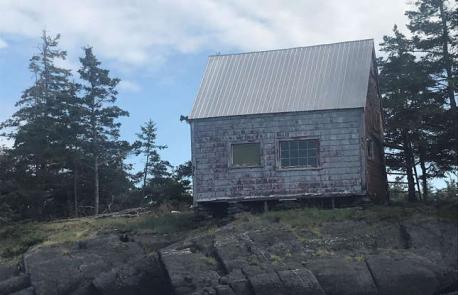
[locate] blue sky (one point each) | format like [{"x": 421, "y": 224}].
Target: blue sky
[
  {"x": 159, "y": 48},
  {"x": 162, "y": 94}
]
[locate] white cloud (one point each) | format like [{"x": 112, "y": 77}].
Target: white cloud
[
  {"x": 138, "y": 33},
  {"x": 129, "y": 86}
]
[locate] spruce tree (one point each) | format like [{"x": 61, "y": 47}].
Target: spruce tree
[
  {"x": 434, "y": 25},
  {"x": 39, "y": 127},
  {"x": 99, "y": 118},
  {"x": 146, "y": 146},
  {"x": 408, "y": 105}
]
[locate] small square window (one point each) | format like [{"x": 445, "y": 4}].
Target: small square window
[
  {"x": 246, "y": 155},
  {"x": 299, "y": 153}
]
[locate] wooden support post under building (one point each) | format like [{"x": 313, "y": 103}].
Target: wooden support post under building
[
  {"x": 333, "y": 203},
  {"x": 266, "y": 207}
]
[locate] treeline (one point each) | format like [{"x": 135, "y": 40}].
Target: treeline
[
  {"x": 418, "y": 80},
  {"x": 67, "y": 157}
]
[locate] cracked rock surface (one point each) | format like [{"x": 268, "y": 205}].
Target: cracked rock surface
[{"x": 250, "y": 258}]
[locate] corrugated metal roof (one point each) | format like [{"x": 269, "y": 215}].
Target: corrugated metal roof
[{"x": 330, "y": 76}]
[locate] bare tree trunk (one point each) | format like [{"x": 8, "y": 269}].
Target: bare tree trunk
[
  {"x": 424, "y": 174},
  {"x": 75, "y": 191},
  {"x": 96, "y": 185},
  {"x": 145, "y": 174},
  {"x": 408, "y": 166},
  {"x": 416, "y": 177}
]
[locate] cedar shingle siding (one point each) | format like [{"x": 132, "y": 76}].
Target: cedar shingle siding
[{"x": 338, "y": 127}]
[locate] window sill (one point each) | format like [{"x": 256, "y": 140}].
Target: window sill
[
  {"x": 245, "y": 167},
  {"x": 298, "y": 168}
]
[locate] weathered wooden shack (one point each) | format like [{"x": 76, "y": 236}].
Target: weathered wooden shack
[{"x": 303, "y": 122}]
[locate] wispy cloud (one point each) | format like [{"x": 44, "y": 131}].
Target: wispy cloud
[
  {"x": 139, "y": 33},
  {"x": 129, "y": 86}
]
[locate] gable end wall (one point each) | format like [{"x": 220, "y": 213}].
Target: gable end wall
[{"x": 341, "y": 166}]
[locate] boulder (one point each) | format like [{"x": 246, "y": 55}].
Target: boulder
[
  {"x": 238, "y": 251},
  {"x": 27, "y": 291},
  {"x": 258, "y": 251},
  {"x": 143, "y": 276},
  {"x": 7, "y": 271},
  {"x": 189, "y": 272},
  {"x": 62, "y": 269},
  {"x": 14, "y": 284},
  {"x": 300, "y": 281},
  {"x": 238, "y": 282},
  {"x": 431, "y": 239},
  {"x": 340, "y": 276},
  {"x": 267, "y": 284},
  {"x": 403, "y": 275},
  {"x": 224, "y": 290}
]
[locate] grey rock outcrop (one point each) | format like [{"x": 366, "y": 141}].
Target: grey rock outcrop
[
  {"x": 300, "y": 281},
  {"x": 269, "y": 258},
  {"x": 342, "y": 276},
  {"x": 136, "y": 277},
  {"x": 403, "y": 275},
  {"x": 14, "y": 284},
  {"x": 245, "y": 258},
  {"x": 7, "y": 271},
  {"x": 63, "y": 270}
]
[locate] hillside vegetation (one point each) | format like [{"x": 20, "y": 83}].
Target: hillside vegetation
[{"x": 16, "y": 238}]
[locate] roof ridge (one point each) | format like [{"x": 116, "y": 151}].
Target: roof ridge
[{"x": 290, "y": 48}]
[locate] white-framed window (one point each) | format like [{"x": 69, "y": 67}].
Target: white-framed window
[
  {"x": 299, "y": 153},
  {"x": 246, "y": 154}
]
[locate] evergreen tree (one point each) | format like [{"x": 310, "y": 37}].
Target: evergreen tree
[
  {"x": 8, "y": 185},
  {"x": 146, "y": 145},
  {"x": 408, "y": 105},
  {"x": 39, "y": 127},
  {"x": 434, "y": 25},
  {"x": 99, "y": 119},
  {"x": 183, "y": 176}
]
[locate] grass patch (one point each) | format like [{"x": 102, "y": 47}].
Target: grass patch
[
  {"x": 17, "y": 238},
  {"x": 308, "y": 216},
  {"x": 399, "y": 211}
]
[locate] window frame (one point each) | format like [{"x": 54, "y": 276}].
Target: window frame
[
  {"x": 278, "y": 148},
  {"x": 370, "y": 148},
  {"x": 231, "y": 155}
]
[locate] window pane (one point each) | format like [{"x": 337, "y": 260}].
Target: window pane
[
  {"x": 299, "y": 153},
  {"x": 313, "y": 144},
  {"x": 312, "y": 162},
  {"x": 284, "y": 162},
  {"x": 284, "y": 146},
  {"x": 246, "y": 154},
  {"x": 284, "y": 153},
  {"x": 294, "y": 153},
  {"x": 302, "y": 161}
]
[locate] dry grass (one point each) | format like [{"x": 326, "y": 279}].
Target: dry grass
[
  {"x": 16, "y": 238},
  {"x": 311, "y": 217}
]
